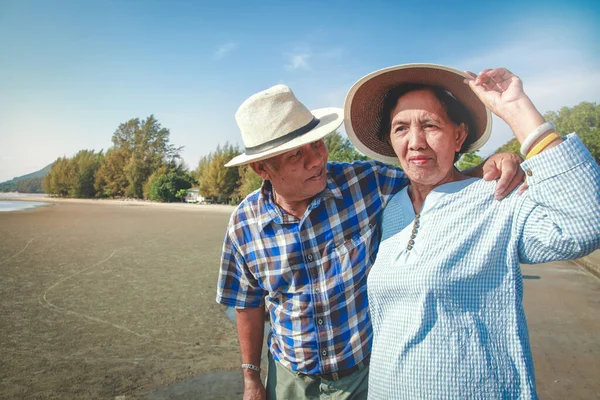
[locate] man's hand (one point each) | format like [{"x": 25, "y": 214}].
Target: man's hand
[
  {"x": 506, "y": 168},
  {"x": 254, "y": 388}
]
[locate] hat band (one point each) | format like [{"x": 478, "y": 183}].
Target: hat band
[{"x": 271, "y": 144}]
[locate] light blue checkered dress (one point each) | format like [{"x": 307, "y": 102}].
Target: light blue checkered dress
[{"x": 447, "y": 310}]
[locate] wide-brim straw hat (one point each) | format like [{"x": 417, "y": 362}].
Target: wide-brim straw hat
[
  {"x": 274, "y": 121},
  {"x": 363, "y": 109}
]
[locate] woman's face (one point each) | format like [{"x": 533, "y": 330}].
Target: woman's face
[{"x": 424, "y": 138}]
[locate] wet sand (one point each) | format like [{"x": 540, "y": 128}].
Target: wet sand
[{"x": 105, "y": 300}]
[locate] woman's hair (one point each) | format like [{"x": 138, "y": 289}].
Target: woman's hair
[{"x": 456, "y": 111}]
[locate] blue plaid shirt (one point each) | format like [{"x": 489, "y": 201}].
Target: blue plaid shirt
[{"x": 312, "y": 271}]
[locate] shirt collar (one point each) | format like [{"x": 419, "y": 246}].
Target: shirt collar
[
  {"x": 267, "y": 209},
  {"x": 332, "y": 189}
]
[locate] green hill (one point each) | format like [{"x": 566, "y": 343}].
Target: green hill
[{"x": 30, "y": 183}]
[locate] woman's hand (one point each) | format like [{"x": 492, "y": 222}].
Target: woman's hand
[
  {"x": 501, "y": 92},
  {"x": 498, "y": 88}
]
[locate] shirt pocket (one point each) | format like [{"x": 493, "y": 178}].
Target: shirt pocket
[
  {"x": 279, "y": 269},
  {"x": 353, "y": 257}
]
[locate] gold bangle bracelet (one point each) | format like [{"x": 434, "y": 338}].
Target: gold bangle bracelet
[{"x": 542, "y": 145}]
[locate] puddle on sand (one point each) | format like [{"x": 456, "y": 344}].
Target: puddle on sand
[{"x": 6, "y": 206}]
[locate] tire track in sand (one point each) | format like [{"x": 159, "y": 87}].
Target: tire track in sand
[
  {"x": 22, "y": 250},
  {"x": 43, "y": 300}
]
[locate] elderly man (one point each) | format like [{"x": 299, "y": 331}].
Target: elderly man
[{"x": 303, "y": 245}]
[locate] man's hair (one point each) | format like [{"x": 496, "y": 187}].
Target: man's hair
[{"x": 455, "y": 110}]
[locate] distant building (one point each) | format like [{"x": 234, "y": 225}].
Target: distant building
[{"x": 193, "y": 196}]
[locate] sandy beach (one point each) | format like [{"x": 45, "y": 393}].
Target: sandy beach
[{"x": 100, "y": 299}]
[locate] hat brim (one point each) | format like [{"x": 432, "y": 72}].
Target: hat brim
[
  {"x": 329, "y": 120},
  {"x": 363, "y": 107}
]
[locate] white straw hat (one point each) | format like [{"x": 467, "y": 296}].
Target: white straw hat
[
  {"x": 274, "y": 121},
  {"x": 364, "y": 106}
]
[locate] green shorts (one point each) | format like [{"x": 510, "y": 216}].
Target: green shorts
[{"x": 285, "y": 384}]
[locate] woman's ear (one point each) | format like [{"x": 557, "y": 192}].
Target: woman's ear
[{"x": 461, "y": 135}]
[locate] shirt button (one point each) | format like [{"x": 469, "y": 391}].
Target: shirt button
[
  {"x": 324, "y": 353},
  {"x": 310, "y": 257},
  {"x": 320, "y": 321},
  {"x": 316, "y": 290},
  {"x": 529, "y": 173}
]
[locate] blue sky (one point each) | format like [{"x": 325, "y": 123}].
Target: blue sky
[{"x": 71, "y": 71}]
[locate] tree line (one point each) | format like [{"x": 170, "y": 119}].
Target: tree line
[
  {"x": 143, "y": 164},
  {"x": 28, "y": 185}
]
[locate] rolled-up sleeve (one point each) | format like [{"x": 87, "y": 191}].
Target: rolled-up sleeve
[
  {"x": 560, "y": 216},
  {"x": 237, "y": 286}
]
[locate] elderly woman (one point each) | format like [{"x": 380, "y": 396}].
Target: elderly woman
[{"x": 445, "y": 292}]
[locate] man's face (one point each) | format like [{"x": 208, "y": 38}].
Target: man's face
[{"x": 299, "y": 174}]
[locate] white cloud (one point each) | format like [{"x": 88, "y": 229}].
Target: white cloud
[
  {"x": 312, "y": 54},
  {"x": 298, "y": 61},
  {"x": 223, "y": 50}
]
